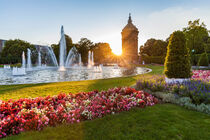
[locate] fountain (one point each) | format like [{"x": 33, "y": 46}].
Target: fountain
[
  {"x": 7, "y": 67},
  {"x": 73, "y": 57},
  {"x": 20, "y": 71},
  {"x": 80, "y": 60},
  {"x": 23, "y": 60},
  {"x": 52, "y": 55},
  {"x": 39, "y": 59},
  {"x": 29, "y": 60},
  {"x": 62, "y": 56},
  {"x": 90, "y": 59}
]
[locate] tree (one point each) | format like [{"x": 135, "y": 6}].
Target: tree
[
  {"x": 196, "y": 36},
  {"x": 177, "y": 63},
  {"x": 208, "y": 46},
  {"x": 83, "y": 46},
  {"x": 102, "y": 52},
  {"x": 12, "y": 52},
  {"x": 153, "y": 51},
  {"x": 154, "y": 47}
]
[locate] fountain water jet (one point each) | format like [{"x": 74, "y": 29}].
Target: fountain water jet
[
  {"x": 52, "y": 55},
  {"x": 29, "y": 60},
  {"x": 80, "y": 60},
  {"x": 90, "y": 59},
  {"x": 73, "y": 56},
  {"x": 62, "y": 56},
  {"x": 23, "y": 60},
  {"x": 39, "y": 59}
]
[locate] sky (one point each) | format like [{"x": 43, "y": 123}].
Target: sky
[{"x": 39, "y": 21}]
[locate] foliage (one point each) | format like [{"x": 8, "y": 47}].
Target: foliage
[
  {"x": 83, "y": 46},
  {"x": 187, "y": 102},
  {"x": 196, "y": 38},
  {"x": 196, "y": 35},
  {"x": 12, "y": 52},
  {"x": 198, "y": 91},
  {"x": 153, "y": 51},
  {"x": 102, "y": 52},
  {"x": 153, "y": 59},
  {"x": 37, "y": 113},
  {"x": 153, "y": 83},
  {"x": 203, "y": 61},
  {"x": 196, "y": 58},
  {"x": 177, "y": 63},
  {"x": 165, "y": 97},
  {"x": 154, "y": 47}
]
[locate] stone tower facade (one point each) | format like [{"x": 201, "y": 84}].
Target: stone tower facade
[{"x": 130, "y": 42}]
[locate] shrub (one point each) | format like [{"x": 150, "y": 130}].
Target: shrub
[
  {"x": 177, "y": 63},
  {"x": 196, "y": 57},
  {"x": 153, "y": 59},
  {"x": 203, "y": 60}
]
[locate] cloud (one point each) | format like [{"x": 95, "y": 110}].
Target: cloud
[{"x": 161, "y": 24}]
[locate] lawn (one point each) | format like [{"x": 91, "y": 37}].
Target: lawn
[{"x": 162, "y": 121}]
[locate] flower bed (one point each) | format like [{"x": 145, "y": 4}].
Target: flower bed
[
  {"x": 203, "y": 75},
  {"x": 35, "y": 114},
  {"x": 197, "y": 90}
]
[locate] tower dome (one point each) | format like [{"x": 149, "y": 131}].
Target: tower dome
[{"x": 130, "y": 25}]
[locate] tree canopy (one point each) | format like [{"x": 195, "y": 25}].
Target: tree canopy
[
  {"x": 197, "y": 36},
  {"x": 154, "y": 47},
  {"x": 12, "y": 52},
  {"x": 102, "y": 52},
  {"x": 83, "y": 46}
]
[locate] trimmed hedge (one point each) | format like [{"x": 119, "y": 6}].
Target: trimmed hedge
[
  {"x": 153, "y": 59},
  {"x": 177, "y": 63}
]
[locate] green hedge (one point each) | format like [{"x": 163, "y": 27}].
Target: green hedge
[
  {"x": 195, "y": 58},
  {"x": 153, "y": 59},
  {"x": 177, "y": 63}
]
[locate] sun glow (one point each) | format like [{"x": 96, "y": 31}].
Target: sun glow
[{"x": 117, "y": 52}]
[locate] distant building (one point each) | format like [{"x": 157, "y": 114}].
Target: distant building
[
  {"x": 2, "y": 44},
  {"x": 130, "y": 42}
]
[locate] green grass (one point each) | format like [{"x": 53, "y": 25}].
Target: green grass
[
  {"x": 162, "y": 121},
  {"x": 36, "y": 90}
]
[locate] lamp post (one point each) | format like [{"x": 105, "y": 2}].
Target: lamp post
[{"x": 193, "y": 56}]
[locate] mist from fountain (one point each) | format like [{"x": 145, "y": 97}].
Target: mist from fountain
[{"x": 29, "y": 60}]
